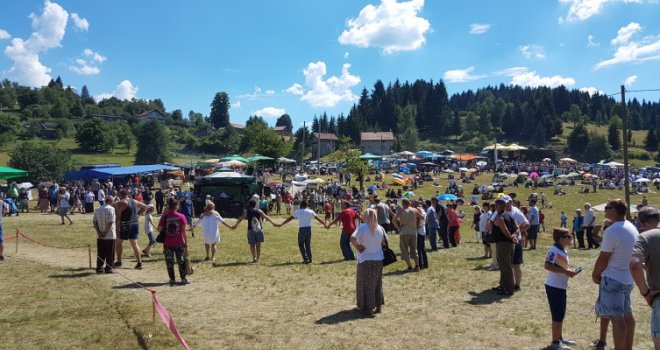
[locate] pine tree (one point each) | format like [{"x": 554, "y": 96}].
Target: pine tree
[
  {"x": 651, "y": 141},
  {"x": 614, "y": 134},
  {"x": 219, "y": 116}
]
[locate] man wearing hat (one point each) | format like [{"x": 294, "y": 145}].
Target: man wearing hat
[{"x": 503, "y": 231}]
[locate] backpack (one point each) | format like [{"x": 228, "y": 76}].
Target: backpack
[{"x": 256, "y": 224}]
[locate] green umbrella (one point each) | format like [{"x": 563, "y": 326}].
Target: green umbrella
[
  {"x": 234, "y": 157},
  {"x": 11, "y": 173},
  {"x": 258, "y": 158}
]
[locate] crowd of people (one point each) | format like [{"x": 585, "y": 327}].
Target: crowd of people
[{"x": 504, "y": 225}]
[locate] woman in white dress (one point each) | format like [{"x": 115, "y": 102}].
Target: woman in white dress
[{"x": 209, "y": 221}]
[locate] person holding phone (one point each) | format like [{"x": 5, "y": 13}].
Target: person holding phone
[{"x": 557, "y": 265}]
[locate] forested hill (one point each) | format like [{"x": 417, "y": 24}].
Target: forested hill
[{"x": 513, "y": 113}]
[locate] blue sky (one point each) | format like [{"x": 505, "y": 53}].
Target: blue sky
[{"x": 304, "y": 57}]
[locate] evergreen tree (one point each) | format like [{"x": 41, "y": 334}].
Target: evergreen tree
[
  {"x": 578, "y": 139},
  {"x": 651, "y": 141},
  {"x": 407, "y": 128},
  {"x": 614, "y": 133},
  {"x": 219, "y": 116},
  {"x": 285, "y": 121},
  {"x": 85, "y": 97}
]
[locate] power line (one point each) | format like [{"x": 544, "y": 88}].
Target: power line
[{"x": 629, "y": 91}]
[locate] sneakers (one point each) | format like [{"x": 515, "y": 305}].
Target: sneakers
[
  {"x": 559, "y": 346},
  {"x": 597, "y": 344},
  {"x": 184, "y": 282},
  {"x": 117, "y": 264},
  {"x": 138, "y": 266},
  {"x": 207, "y": 259},
  {"x": 172, "y": 283},
  {"x": 568, "y": 342},
  {"x": 99, "y": 271},
  {"x": 145, "y": 254}
]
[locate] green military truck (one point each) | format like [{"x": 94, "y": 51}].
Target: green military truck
[{"x": 229, "y": 192}]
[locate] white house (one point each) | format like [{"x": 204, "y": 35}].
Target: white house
[{"x": 151, "y": 115}]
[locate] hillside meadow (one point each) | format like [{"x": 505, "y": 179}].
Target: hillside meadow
[{"x": 52, "y": 300}]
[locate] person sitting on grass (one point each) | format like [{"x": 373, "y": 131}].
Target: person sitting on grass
[
  {"x": 304, "y": 216},
  {"x": 557, "y": 265}
]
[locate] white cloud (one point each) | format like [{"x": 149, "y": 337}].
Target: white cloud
[
  {"x": 49, "y": 29},
  {"x": 269, "y": 112},
  {"x": 460, "y": 75},
  {"x": 258, "y": 92},
  {"x": 630, "y": 80},
  {"x": 346, "y": 54},
  {"x": 479, "y": 28},
  {"x": 591, "y": 41},
  {"x": 94, "y": 55},
  {"x": 296, "y": 89},
  {"x": 625, "y": 33},
  {"x": 532, "y": 79},
  {"x": 88, "y": 67},
  {"x": 592, "y": 90},
  {"x": 511, "y": 72},
  {"x": 79, "y": 22},
  {"x": 632, "y": 51},
  {"x": 532, "y": 51},
  {"x": 4, "y": 35},
  {"x": 391, "y": 26},
  {"x": 236, "y": 105},
  {"x": 124, "y": 91},
  {"x": 326, "y": 92},
  {"x": 581, "y": 10},
  {"x": 84, "y": 69}
]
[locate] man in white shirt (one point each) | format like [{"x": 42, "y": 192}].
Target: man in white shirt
[
  {"x": 104, "y": 223},
  {"x": 612, "y": 273},
  {"x": 304, "y": 216},
  {"x": 486, "y": 214},
  {"x": 588, "y": 223},
  {"x": 523, "y": 226}
]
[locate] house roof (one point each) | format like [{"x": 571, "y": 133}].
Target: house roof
[
  {"x": 326, "y": 136},
  {"x": 280, "y": 128},
  {"x": 237, "y": 126},
  {"x": 148, "y": 112},
  {"x": 377, "y": 136}
]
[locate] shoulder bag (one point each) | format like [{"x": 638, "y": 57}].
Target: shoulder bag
[{"x": 388, "y": 254}]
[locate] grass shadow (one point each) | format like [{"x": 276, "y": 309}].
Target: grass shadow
[
  {"x": 232, "y": 263},
  {"x": 332, "y": 262},
  {"x": 485, "y": 297},
  {"x": 397, "y": 272},
  {"x": 77, "y": 269},
  {"x": 288, "y": 263},
  {"x": 477, "y": 258},
  {"x": 484, "y": 268},
  {"x": 342, "y": 316},
  {"x": 72, "y": 275},
  {"x": 142, "y": 284}
]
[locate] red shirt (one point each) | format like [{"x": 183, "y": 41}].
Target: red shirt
[
  {"x": 327, "y": 208},
  {"x": 174, "y": 224},
  {"x": 347, "y": 218}
]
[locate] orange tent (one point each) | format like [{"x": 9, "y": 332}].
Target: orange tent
[{"x": 464, "y": 157}]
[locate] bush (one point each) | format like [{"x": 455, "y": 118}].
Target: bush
[{"x": 43, "y": 161}]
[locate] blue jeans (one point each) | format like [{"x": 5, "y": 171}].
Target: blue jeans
[
  {"x": 305, "y": 242},
  {"x": 345, "y": 245},
  {"x": 433, "y": 237}
]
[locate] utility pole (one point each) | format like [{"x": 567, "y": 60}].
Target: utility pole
[
  {"x": 302, "y": 150},
  {"x": 318, "y": 151},
  {"x": 624, "y": 119}
]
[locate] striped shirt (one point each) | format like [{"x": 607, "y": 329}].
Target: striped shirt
[{"x": 104, "y": 217}]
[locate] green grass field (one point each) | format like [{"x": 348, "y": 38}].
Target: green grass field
[{"x": 51, "y": 299}]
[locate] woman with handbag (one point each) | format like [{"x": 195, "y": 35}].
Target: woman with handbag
[
  {"x": 173, "y": 225},
  {"x": 369, "y": 240}
]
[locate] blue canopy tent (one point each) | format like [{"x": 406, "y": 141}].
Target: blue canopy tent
[{"x": 108, "y": 173}]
